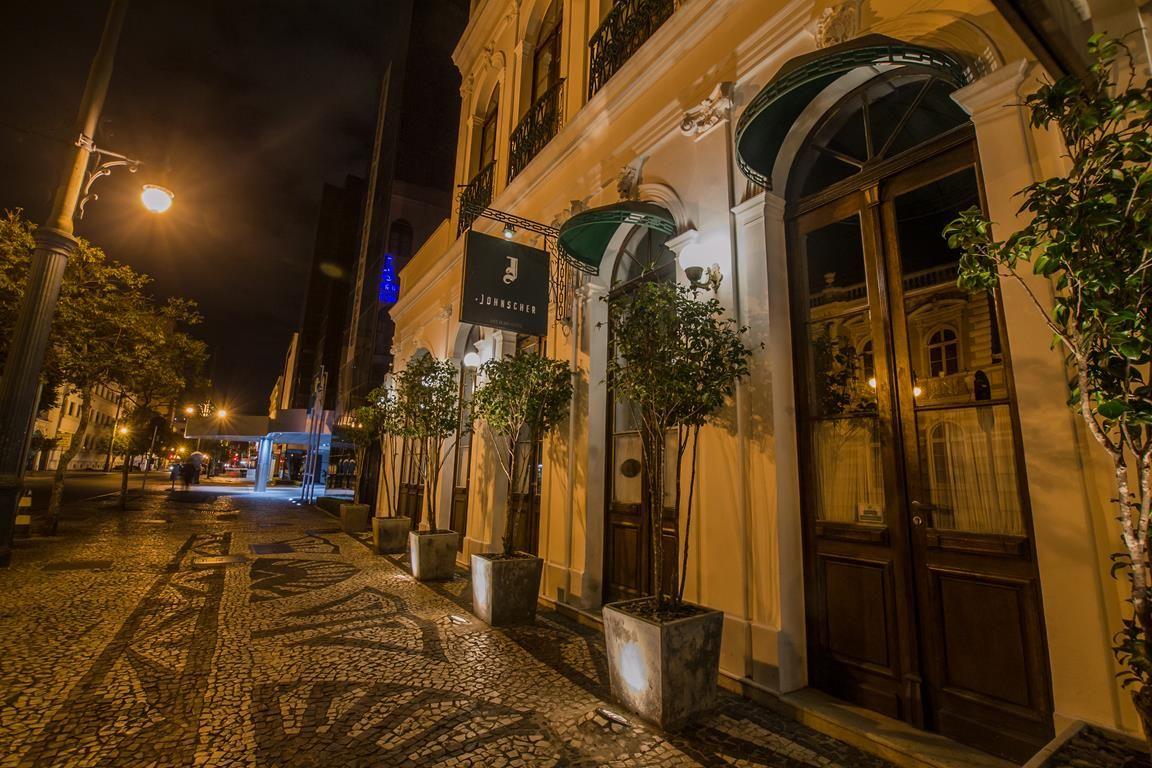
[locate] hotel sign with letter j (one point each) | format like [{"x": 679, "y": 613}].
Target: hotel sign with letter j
[{"x": 505, "y": 285}]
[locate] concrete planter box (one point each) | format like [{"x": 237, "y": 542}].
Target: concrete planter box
[
  {"x": 354, "y": 517},
  {"x": 433, "y": 554},
  {"x": 504, "y": 589},
  {"x": 665, "y": 672},
  {"x": 390, "y": 534}
]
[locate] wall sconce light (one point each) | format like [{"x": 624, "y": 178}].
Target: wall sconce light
[
  {"x": 509, "y": 231},
  {"x": 710, "y": 278}
]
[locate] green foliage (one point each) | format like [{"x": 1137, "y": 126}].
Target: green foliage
[
  {"x": 106, "y": 330},
  {"x": 525, "y": 394},
  {"x": 426, "y": 408},
  {"x": 427, "y": 395},
  {"x": 677, "y": 360},
  {"x": 1090, "y": 235},
  {"x": 677, "y": 357}
]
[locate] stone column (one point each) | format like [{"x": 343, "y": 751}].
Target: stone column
[{"x": 1077, "y": 602}]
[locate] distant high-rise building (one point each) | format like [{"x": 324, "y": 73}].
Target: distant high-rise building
[
  {"x": 330, "y": 283},
  {"x": 410, "y": 178}
]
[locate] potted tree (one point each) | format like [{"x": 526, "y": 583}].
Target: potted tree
[
  {"x": 524, "y": 395},
  {"x": 427, "y": 409},
  {"x": 676, "y": 362},
  {"x": 389, "y": 531},
  {"x": 1089, "y": 235},
  {"x": 359, "y": 429}
]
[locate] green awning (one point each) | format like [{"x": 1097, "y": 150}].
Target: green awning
[
  {"x": 769, "y": 117},
  {"x": 585, "y": 236}
]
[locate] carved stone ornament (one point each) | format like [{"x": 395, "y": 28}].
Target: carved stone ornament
[
  {"x": 710, "y": 113},
  {"x": 838, "y": 23},
  {"x": 628, "y": 183},
  {"x": 577, "y": 206},
  {"x": 467, "y": 86}
]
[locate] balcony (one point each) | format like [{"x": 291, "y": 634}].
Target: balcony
[
  {"x": 475, "y": 197},
  {"x": 538, "y": 127},
  {"x": 626, "y": 27}
]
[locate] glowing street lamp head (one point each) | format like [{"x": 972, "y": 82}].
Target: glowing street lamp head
[
  {"x": 189, "y": 410},
  {"x": 156, "y": 199},
  {"x": 221, "y": 414},
  {"x": 123, "y": 430}
]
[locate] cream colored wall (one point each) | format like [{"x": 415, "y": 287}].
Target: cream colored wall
[{"x": 746, "y": 538}]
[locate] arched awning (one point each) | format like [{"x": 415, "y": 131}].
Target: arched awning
[
  {"x": 769, "y": 117},
  {"x": 585, "y": 236}
]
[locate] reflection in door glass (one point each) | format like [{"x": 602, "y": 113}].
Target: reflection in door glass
[
  {"x": 959, "y": 387},
  {"x": 841, "y": 378}
]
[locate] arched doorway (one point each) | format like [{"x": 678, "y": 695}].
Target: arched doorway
[
  {"x": 462, "y": 453},
  {"x": 921, "y": 590},
  {"x": 525, "y": 488},
  {"x": 644, "y": 256}
]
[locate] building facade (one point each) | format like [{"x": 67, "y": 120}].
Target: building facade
[
  {"x": 897, "y": 509},
  {"x": 56, "y": 429}
]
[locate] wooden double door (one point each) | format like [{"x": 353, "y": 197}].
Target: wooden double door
[{"x": 922, "y": 594}]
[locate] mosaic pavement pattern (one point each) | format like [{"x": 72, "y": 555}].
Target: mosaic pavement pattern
[{"x": 125, "y": 646}]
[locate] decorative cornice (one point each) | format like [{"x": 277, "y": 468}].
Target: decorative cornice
[{"x": 709, "y": 114}]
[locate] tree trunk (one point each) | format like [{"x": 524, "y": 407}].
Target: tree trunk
[
  {"x": 57, "y": 495},
  {"x": 655, "y": 472},
  {"x": 508, "y": 539},
  {"x": 361, "y": 454},
  {"x": 124, "y": 481},
  {"x": 1143, "y": 701}
]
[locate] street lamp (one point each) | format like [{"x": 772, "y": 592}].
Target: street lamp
[
  {"x": 54, "y": 244},
  {"x": 189, "y": 410},
  {"x": 221, "y": 414},
  {"x": 156, "y": 199}
]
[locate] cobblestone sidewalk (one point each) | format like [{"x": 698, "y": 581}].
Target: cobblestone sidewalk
[{"x": 131, "y": 640}]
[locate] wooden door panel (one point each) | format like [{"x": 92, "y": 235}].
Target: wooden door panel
[
  {"x": 998, "y": 697},
  {"x": 460, "y": 515},
  {"x": 857, "y": 611},
  {"x": 985, "y": 662},
  {"x": 622, "y": 556}
]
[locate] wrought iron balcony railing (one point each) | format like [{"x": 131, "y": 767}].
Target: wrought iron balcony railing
[
  {"x": 475, "y": 196},
  {"x": 538, "y": 127},
  {"x": 626, "y": 27}
]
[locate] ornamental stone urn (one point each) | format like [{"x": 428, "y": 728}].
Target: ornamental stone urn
[
  {"x": 504, "y": 587},
  {"x": 390, "y": 534},
  {"x": 354, "y": 517},
  {"x": 433, "y": 554},
  {"x": 663, "y": 670}
]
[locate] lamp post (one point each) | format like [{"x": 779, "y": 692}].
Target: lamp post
[{"x": 54, "y": 245}]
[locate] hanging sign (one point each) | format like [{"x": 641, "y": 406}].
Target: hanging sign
[{"x": 505, "y": 285}]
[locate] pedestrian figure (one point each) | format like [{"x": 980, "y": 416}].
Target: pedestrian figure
[
  {"x": 175, "y": 472},
  {"x": 187, "y": 472}
]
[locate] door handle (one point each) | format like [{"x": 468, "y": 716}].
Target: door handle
[{"x": 919, "y": 507}]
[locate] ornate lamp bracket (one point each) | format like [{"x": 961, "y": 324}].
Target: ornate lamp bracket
[{"x": 103, "y": 161}]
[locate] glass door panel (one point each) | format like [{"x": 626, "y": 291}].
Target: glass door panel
[
  {"x": 960, "y": 400},
  {"x": 841, "y": 383}
]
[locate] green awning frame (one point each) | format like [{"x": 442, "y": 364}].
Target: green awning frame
[
  {"x": 585, "y": 237},
  {"x": 765, "y": 124}
]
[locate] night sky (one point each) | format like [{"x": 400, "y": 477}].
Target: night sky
[{"x": 244, "y": 108}]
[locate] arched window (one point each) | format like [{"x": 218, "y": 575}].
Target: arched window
[
  {"x": 646, "y": 256},
  {"x": 879, "y": 121},
  {"x": 868, "y": 362},
  {"x": 400, "y": 241},
  {"x": 943, "y": 353},
  {"x": 487, "y": 147},
  {"x": 546, "y": 60}
]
